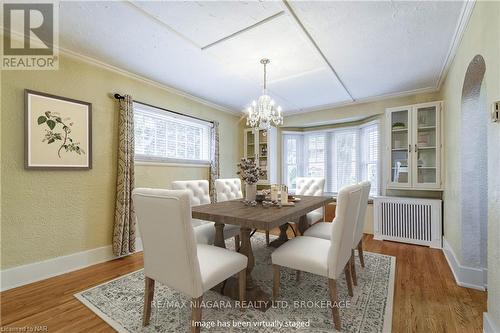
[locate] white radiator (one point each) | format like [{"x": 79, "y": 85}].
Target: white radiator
[{"x": 408, "y": 220}]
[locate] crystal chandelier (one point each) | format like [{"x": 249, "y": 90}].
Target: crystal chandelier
[{"x": 264, "y": 113}]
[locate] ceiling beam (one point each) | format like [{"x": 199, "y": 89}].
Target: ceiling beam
[
  {"x": 250, "y": 27},
  {"x": 308, "y": 35}
]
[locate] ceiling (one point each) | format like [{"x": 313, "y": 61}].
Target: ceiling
[{"x": 322, "y": 54}]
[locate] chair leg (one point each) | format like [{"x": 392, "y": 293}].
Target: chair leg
[
  {"x": 242, "y": 281},
  {"x": 348, "y": 279},
  {"x": 297, "y": 275},
  {"x": 360, "y": 253},
  {"x": 267, "y": 237},
  {"x": 332, "y": 284},
  {"x": 237, "y": 243},
  {"x": 353, "y": 269},
  {"x": 149, "y": 291},
  {"x": 276, "y": 282},
  {"x": 196, "y": 314}
]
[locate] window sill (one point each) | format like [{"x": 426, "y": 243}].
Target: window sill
[
  {"x": 173, "y": 164},
  {"x": 334, "y": 196}
]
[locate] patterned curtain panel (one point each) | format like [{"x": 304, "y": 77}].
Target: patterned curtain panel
[
  {"x": 124, "y": 227},
  {"x": 214, "y": 160}
]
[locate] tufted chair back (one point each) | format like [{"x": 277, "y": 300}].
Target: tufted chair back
[
  {"x": 198, "y": 190},
  {"x": 170, "y": 251},
  {"x": 346, "y": 217},
  {"x": 310, "y": 186},
  {"x": 360, "y": 223},
  {"x": 228, "y": 189}
]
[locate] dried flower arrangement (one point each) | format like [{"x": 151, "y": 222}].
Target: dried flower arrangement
[{"x": 249, "y": 171}]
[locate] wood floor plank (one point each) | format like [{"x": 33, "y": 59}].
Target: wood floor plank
[{"x": 426, "y": 297}]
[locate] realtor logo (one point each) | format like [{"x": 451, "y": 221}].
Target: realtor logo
[{"x": 29, "y": 36}]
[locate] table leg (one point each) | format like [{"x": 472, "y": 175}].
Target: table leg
[
  {"x": 303, "y": 224},
  {"x": 246, "y": 249},
  {"x": 219, "y": 235},
  {"x": 283, "y": 237},
  {"x": 258, "y": 298}
]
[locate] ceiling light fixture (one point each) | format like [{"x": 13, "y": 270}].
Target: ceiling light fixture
[{"x": 264, "y": 113}]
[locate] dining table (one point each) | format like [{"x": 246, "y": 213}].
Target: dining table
[{"x": 250, "y": 218}]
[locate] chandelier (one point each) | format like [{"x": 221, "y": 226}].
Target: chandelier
[{"x": 264, "y": 113}]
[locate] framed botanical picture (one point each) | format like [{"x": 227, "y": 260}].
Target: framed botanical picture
[{"x": 58, "y": 132}]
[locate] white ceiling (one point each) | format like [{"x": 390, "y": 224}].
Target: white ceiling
[{"x": 322, "y": 53}]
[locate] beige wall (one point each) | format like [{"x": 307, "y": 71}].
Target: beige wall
[
  {"x": 46, "y": 214},
  {"x": 482, "y": 37}
]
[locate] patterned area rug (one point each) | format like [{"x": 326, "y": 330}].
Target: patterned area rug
[{"x": 303, "y": 305}]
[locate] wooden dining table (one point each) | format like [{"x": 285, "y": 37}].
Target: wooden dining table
[{"x": 250, "y": 218}]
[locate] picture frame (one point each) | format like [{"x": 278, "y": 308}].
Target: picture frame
[{"x": 58, "y": 132}]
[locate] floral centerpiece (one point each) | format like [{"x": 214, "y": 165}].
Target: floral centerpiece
[{"x": 249, "y": 173}]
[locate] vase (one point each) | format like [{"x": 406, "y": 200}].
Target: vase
[{"x": 250, "y": 192}]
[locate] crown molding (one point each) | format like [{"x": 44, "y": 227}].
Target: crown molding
[
  {"x": 457, "y": 38},
  {"x": 362, "y": 101},
  {"x": 104, "y": 65}
]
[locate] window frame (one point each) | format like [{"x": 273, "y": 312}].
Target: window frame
[
  {"x": 363, "y": 161},
  {"x": 205, "y": 126},
  {"x": 299, "y": 161},
  {"x": 329, "y": 160}
]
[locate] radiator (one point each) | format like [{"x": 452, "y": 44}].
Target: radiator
[{"x": 408, "y": 220}]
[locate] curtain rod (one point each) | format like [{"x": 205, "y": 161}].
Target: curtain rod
[{"x": 118, "y": 96}]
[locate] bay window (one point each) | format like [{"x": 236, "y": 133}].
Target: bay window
[{"x": 342, "y": 156}]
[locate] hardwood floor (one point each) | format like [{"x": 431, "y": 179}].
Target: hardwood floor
[{"x": 426, "y": 297}]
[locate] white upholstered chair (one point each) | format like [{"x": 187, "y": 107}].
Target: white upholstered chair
[
  {"x": 200, "y": 195},
  {"x": 308, "y": 186},
  {"x": 171, "y": 255},
  {"x": 312, "y": 186},
  {"x": 328, "y": 258},
  {"x": 324, "y": 229},
  {"x": 228, "y": 189}
]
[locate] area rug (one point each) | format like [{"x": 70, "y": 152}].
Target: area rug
[{"x": 303, "y": 305}]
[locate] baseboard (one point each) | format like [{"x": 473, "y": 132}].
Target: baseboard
[
  {"x": 488, "y": 325},
  {"x": 22, "y": 275},
  {"x": 467, "y": 277}
]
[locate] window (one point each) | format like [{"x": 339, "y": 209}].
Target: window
[
  {"x": 291, "y": 144},
  {"x": 315, "y": 152},
  {"x": 165, "y": 136},
  {"x": 343, "y": 156},
  {"x": 369, "y": 156}
]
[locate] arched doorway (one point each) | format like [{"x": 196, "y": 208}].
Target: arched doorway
[{"x": 474, "y": 161}]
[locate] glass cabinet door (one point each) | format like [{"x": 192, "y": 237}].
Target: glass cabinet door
[
  {"x": 250, "y": 145},
  {"x": 426, "y": 146},
  {"x": 400, "y": 147},
  {"x": 263, "y": 155}
]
